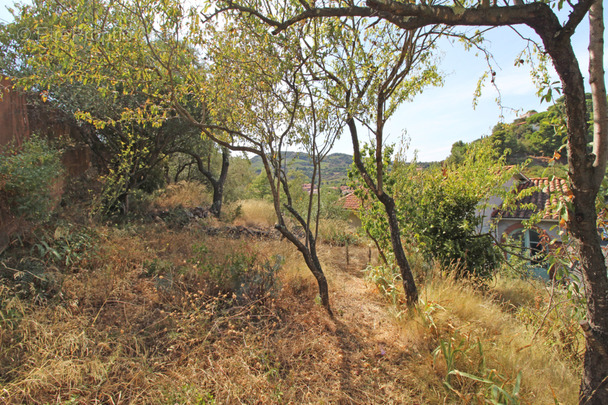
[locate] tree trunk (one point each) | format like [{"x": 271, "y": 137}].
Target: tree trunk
[
  {"x": 312, "y": 261},
  {"x": 218, "y": 185},
  {"x": 308, "y": 250},
  {"x": 309, "y": 253},
  {"x": 179, "y": 171},
  {"x": 586, "y": 171},
  {"x": 594, "y": 384},
  {"x": 313, "y": 264},
  {"x": 218, "y": 196},
  {"x": 409, "y": 285}
]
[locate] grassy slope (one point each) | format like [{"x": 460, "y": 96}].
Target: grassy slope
[{"x": 141, "y": 321}]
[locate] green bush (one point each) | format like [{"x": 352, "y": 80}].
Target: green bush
[
  {"x": 68, "y": 247},
  {"x": 27, "y": 177},
  {"x": 437, "y": 207}
]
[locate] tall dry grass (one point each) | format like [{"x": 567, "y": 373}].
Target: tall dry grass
[
  {"x": 146, "y": 324},
  {"x": 144, "y": 321},
  {"x": 186, "y": 194},
  {"x": 461, "y": 328},
  {"x": 253, "y": 212}
]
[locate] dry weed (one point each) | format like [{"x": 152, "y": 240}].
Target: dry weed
[
  {"x": 185, "y": 194},
  {"x": 147, "y": 323},
  {"x": 482, "y": 334},
  {"x": 255, "y": 213}
]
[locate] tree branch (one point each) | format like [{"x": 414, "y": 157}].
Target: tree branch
[{"x": 199, "y": 163}]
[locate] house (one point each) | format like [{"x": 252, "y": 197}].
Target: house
[
  {"x": 543, "y": 199},
  {"x": 352, "y": 203},
  {"x": 542, "y": 196},
  {"x": 346, "y": 190},
  {"x": 309, "y": 188}
]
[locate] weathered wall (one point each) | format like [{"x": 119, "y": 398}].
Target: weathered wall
[
  {"x": 53, "y": 123},
  {"x": 50, "y": 122},
  {"x": 14, "y": 124},
  {"x": 18, "y": 120}
]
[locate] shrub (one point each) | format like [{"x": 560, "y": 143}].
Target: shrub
[
  {"x": 242, "y": 272},
  {"x": 438, "y": 207},
  {"x": 68, "y": 246},
  {"x": 387, "y": 280},
  {"x": 28, "y": 177}
]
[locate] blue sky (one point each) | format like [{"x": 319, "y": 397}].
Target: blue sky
[{"x": 436, "y": 119}]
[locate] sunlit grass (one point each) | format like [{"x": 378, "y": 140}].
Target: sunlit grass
[
  {"x": 185, "y": 194},
  {"x": 155, "y": 318},
  {"x": 255, "y": 213},
  {"x": 488, "y": 334}
]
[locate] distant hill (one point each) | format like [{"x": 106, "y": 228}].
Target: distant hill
[{"x": 334, "y": 167}]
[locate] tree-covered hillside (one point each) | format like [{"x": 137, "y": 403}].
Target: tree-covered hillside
[
  {"x": 333, "y": 169},
  {"x": 532, "y": 135}
]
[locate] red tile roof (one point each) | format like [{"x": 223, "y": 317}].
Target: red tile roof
[
  {"x": 350, "y": 202},
  {"x": 549, "y": 193},
  {"x": 307, "y": 187}
]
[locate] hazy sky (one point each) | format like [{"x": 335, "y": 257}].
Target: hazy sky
[{"x": 436, "y": 119}]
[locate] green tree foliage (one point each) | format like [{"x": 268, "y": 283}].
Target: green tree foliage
[
  {"x": 239, "y": 178},
  {"x": 28, "y": 177},
  {"x": 439, "y": 208},
  {"x": 536, "y": 134},
  {"x": 232, "y": 80},
  {"x": 70, "y": 53}
]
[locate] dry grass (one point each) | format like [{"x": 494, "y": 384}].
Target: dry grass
[
  {"x": 337, "y": 232},
  {"x": 256, "y": 213},
  {"x": 146, "y": 323},
  {"x": 463, "y": 314},
  {"x": 185, "y": 194}
]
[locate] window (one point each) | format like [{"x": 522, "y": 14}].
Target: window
[{"x": 533, "y": 247}]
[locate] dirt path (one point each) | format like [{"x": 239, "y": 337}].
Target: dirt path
[
  {"x": 377, "y": 350},
  {"x": 357, "y": 302}
]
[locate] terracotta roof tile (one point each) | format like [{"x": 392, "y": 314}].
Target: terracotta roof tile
[
  {"x": 350, "y": 202},
  {"x": 549, "y": 193}
]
